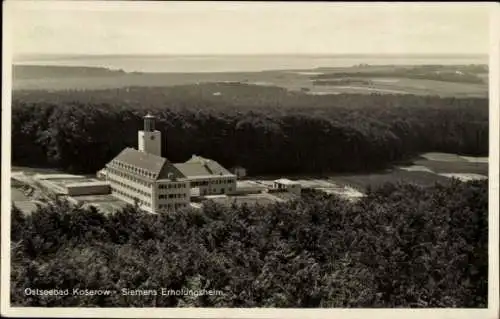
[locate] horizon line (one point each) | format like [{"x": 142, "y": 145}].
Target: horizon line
[{"x": 254, "y": 54}]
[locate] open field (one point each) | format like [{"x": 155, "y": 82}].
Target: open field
[
  {"x": 408, "y": 86},
  {"x": 35, "y": 170},
  {"x": 26, "y": 207},
  {"x": 368, "y": 79},
  {"x": 362, "y": 181},
  {"x": 454, "y": 167},
  {"x": 427, "y": 169},
  {"x": 17, "y": 195}
]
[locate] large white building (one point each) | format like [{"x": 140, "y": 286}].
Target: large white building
[{"x": 141, "y": 176}]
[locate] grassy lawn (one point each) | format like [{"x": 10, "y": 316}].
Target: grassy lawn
[
  {"x": 35, "y": 170},
  {"x": 454, "y": 167},
  {"x": 362, "y": 181},
  {"x": 17, "y": 195}
]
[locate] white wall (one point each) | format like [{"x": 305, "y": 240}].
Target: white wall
[
  {"x": 167, "y": 194},
  {"x": 148, "y": 145},
  {"x": 132, "y": 188}
]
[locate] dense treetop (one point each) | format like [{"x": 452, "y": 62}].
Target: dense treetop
[
  {"x": 401, "y": 246},
  {"x": 265, "y": 129}
]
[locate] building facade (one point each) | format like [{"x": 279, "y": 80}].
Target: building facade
[
  {"x": 144, "y": 178},
  {"x": 208, "y": 176}
]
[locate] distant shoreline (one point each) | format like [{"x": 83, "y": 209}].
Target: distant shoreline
[{"x": 31, "y": 56}]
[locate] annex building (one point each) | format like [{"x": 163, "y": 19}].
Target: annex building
[{"x": 143, "y": 177}]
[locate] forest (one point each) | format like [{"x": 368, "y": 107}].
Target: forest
[
  {"x": 401, "y": 246},
  {"x": 268, "y": 130}
]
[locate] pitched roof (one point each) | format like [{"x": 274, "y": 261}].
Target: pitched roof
[
  {"x": 211, "y": 166},
  {"x": 169, "y": 168},
  {"x": 192, "y": 169},
  {"x": 159, "y": 166}
]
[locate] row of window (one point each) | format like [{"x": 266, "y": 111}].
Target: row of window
[
  {"x": 127, "y": 186},
  {"x": 214, "y": 191},
  {"x": 221, "y": 181},
  {"x": 137, "y": 170},
  {"x": 124, "y": 194},
  {"x": 165, "y": 196},
  {"x": 212, "y": 182},
  {"x": 200, "y": 183},
  {"x": 169, "y": 186},
  {"x": 130, "y": 178}
]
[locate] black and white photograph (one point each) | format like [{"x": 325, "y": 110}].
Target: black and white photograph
[{"x": 249, "y": 159}]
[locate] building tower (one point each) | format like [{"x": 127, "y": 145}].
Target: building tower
[{"x": 149, "y": 138}]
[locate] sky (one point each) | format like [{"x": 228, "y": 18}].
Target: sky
[{"x": 93, "y": 27}]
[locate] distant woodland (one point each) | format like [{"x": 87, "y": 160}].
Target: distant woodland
[
  {"x": 401, "y": 246},
  {"x": 265, "y": 129}
]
